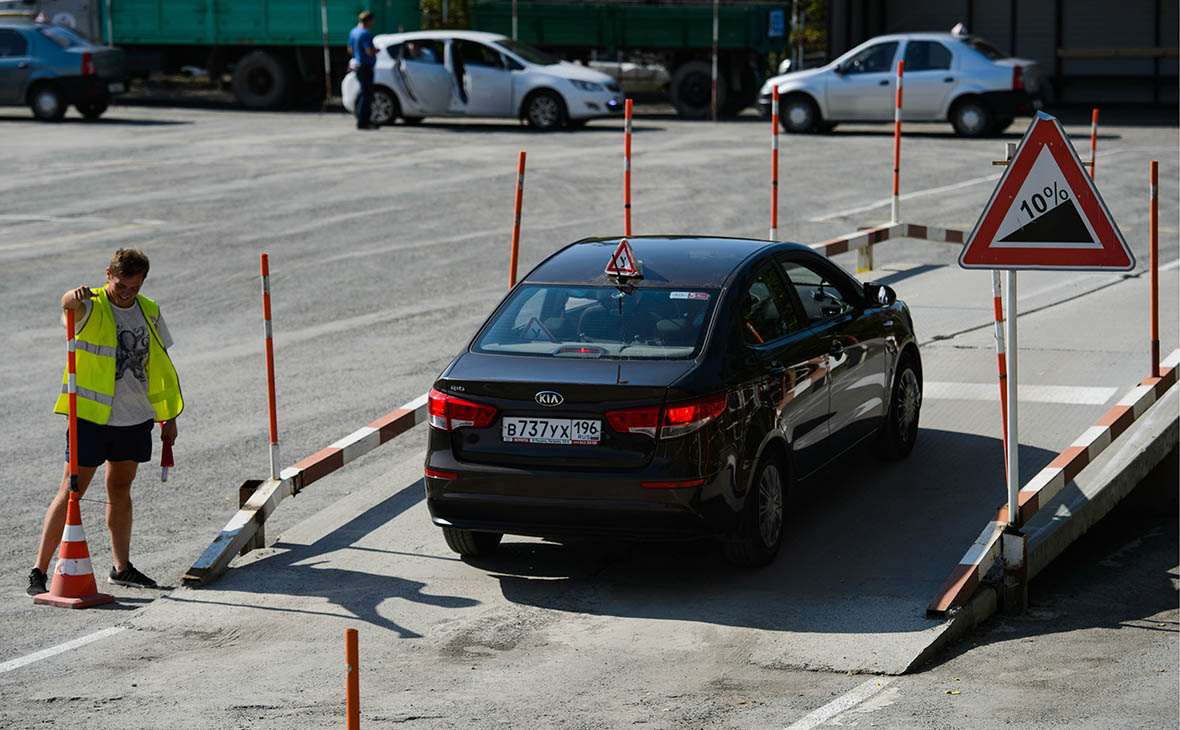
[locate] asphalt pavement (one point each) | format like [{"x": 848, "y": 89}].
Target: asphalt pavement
[{"x": 387, "y": 249}]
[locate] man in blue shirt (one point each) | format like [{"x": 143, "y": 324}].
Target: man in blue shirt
[{"x": 364, "y": 56}]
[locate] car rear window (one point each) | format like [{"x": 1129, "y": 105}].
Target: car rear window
[
  {"x": 599, "y": 322},
  {"x": 987, "y": 49},
  {"x": 63, "y": 37}
]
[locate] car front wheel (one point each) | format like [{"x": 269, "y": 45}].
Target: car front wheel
[
  {"x": 800, "y": 115},
  {"x": 761, "y": 532},
  {"x": 900, "y": 431},
  {"x": 47, "y": 103},
  {"x": 470, "y": 542},
  {"x": 544, "y": 111}
]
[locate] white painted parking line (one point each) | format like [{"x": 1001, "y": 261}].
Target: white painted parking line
[
  {"x": 59, "y": 649},
  {"x": 840, "y": 704},
  {"x": 908, "y": 196},
  {"x": 1064, "y": 394}
]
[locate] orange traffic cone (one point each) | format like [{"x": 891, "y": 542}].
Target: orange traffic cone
[{"x": 73, "y": 578}]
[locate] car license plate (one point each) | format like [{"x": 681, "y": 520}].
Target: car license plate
[
  {"x": 116, "y": 87},
  {"x": 579, "y": 431}
]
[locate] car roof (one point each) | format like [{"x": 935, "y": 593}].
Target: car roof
[
  {"x": 666, "y": 261},
  {"x": 388, "y": 39}
]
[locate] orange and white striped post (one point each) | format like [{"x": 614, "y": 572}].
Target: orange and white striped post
[
  {"x": 270, "y": 370},
  {"x": 516, "y": 221},
  {"x": 627, "y": 171},
  {"x": 1001, "y": 357},
  {"x": 1093, "y": 139},
  {"x": 73, "y": 578},
  {"x": 1155, "y": 269},
  {"x": 897, "y": 145},
  {"x": 774, "y": 164},
  {"x": 352, "y": 682}
]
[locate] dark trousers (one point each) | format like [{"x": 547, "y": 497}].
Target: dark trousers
[{"x": 364, "y": 102}]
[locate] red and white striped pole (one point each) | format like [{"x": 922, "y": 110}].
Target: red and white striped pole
[
  {"x": 352, "y": 680},
  {"x": 270, "y": 370},
  {"x": 72, "y": 391},
  {"x": 774, "y": 164},
  {"x": 516, "y": 220},
  {"x": 627, "y": 171},
  {"x": 897, "y": 144},
  {"x": 1001, "y": 357},
  {"x": 1093, "y": 139},
  {"x": 1155, "y": 269}
]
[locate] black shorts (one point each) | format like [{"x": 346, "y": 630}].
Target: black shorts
[{"x": 97, "y": 444}]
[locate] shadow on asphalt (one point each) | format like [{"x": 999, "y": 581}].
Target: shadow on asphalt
[{"x": 109, "y": 121}]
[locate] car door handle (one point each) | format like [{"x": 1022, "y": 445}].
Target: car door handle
[
  {"x": 23, "y": 64},
  {"x": 949, "y": 80},
  {"x": 883, "y": 83}
]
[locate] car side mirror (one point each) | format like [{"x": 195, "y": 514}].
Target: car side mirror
[
  {"x": 840, "y": 69},
  {"x": 879, "y": 295}
]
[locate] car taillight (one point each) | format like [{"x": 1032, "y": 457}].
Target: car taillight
[
  {"x": 87, "y": 64},
  {"x": 678, "y": 419},
  {"x": 1017, "y": 78},
  {"x": 684, "y": 418},
  {"x": 448, "y": 413},
  {"x": 643, "y": 420}
]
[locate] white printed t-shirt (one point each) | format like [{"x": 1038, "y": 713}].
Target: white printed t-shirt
[{"x": 131, "y": 406}]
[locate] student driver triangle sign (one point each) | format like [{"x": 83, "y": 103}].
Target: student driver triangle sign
[
  {"x": 1046, "y": 213},
  {"x": 622, "y": 261}
]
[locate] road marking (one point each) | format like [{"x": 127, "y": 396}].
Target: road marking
[
  {"x": 1065, "y": 394},
  {"x": 59, "y": 649},
  {"x": 908, "y": 196},
  {"x": 840, "y": 704}
]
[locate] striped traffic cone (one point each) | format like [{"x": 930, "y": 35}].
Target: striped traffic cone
[{"x": 73, "y": 578}]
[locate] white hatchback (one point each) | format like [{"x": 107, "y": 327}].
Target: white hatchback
[
  {"x": 954, "y": 77},
  {"x": 472, "y": 74}
]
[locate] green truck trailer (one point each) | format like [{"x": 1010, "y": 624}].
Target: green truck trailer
[
  {"x": 676, "y": 37},
  {"x": 271, "y": 49}
]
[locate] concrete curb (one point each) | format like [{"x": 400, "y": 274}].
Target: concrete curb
[{"x": 1067, "y": 517}]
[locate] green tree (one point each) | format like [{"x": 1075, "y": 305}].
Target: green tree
[{"x": 458, "y": 14}]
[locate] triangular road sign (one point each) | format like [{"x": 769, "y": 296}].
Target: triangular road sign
[
  {"x": 1046, "y": 213},
  {"x": 534, "y": 330},
  {"x": 622, "y": 261}
]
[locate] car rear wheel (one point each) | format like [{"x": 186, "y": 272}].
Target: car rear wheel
[
  {"x": 900, "y": 431},
  {"x": 761, "y": 533},
  {"x": 470, "y": 542},
  {"x": 47, "y": 103},
  {"x": 800, "y": 115},
  {"x": 545, "y": 111},
  {"x": 384, "y": 108},
  {"x": 92, "y": 109},
  {"x": 971, "y": 118}
]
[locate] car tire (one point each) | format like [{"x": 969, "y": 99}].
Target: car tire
[
  {"x": 761, "y": 532},
  {"x": 47, "y": 103},
  {"x": 971, "y": 118},
  {"x": 898, "y": 434},
  {"x": 800, "y": 115},
  {"x": 260, "y": 81},
  {"x": 92, "y": 109},
  {"x": 544, "y": 110},
  {"x": 471, "y": 543},
  {"x": 384, "y": 108},
  {"x": 691, "y": 90}
]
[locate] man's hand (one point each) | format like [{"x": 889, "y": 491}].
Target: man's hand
[
  {"x": 73, "y": 299},
  {"x": 168, "y": 430}
]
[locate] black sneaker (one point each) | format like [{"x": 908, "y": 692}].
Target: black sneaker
[
  {"x": 36, "y": 583},
  {"x": 129, "y": 576}
]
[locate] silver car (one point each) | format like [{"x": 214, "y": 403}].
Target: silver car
[
  {"x": 474, "y": 74},
  {"x": 947, "y": 76}
]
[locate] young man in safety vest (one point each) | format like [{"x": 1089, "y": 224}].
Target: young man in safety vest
[{"x": 125, "y": 384}]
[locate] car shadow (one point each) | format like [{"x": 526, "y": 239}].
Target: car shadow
[
  {"x": 610, "y": 125},
  {"x": 101, "y": 121}
]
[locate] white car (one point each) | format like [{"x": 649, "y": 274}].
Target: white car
[
  {"x": 947, "y": 76},
  {"x": 471, "y": 74}
]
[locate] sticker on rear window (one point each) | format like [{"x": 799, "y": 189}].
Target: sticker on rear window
[{"x": 703, "y": 296}]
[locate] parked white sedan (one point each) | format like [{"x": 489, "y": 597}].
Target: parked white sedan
[
  {"x": 473, "y": 74},
  {"x": 955, "y": 77}
]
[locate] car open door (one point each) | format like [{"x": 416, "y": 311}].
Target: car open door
[{"x": 418, "y": 66}]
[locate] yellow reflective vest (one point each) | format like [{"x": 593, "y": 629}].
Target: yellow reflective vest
[{"x": 94, "y": 357}]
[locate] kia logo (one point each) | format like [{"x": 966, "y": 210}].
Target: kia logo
[{"x": 549, "y": 398}]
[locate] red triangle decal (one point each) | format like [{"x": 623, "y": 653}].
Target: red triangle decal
[
  {"x": 622, "y": 261},
  {"x": 1045, "y": 213}
]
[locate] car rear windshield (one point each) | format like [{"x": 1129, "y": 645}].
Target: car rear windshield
[
  {"x": 63, "y": 37},
  {"x": 528, "y": 53},
  {"x": 599, "y": 322},
  {"x": 987, "y": 49}
]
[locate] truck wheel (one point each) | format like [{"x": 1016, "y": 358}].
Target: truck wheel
[
  {"x": 260, "y": 81},
  {"x": 544, "y": 110},
  {"x": 47, "y": 103},
  {"x": 92, "y": 109},
  {"x": 691, "y": 89},
  {"x": 469, "y": 542},
  {"x": 384, "y": 109}
]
